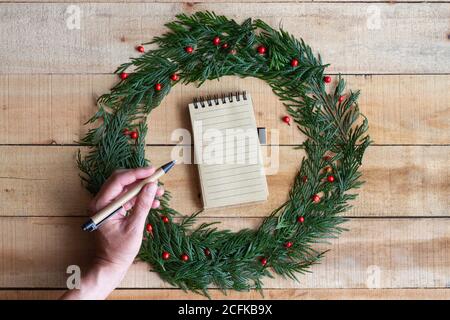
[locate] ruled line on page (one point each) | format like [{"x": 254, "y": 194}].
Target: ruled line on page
[
  {"x": 253, "y": 187},
  {"x": 226, "y": 169},
  {"x": 235, "y": 181},
  {"x": 228, "y": 121},
  {"x": 230, "y": 152},
  {"x": 224, "y": 148},
  {"x": 233, "y": 188},
  {"x": 236, "y": 143},
  {"x": 244, "y": 126},
  {"x": 231, "y": 157},
  {"x": 221, "y": 116},
  {"x": 236, "y": 195},
  {"x": 232, "y": 175}
]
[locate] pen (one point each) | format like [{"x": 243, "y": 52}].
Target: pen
[{"x": 95, "y": 221}]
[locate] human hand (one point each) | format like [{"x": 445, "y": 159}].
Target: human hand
[{"x": 119, "y": 238}]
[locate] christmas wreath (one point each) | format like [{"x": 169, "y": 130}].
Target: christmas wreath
[{"x": 206, "y": 46}]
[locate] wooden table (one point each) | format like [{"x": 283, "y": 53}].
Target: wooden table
[{"x": 397, "y": 53}]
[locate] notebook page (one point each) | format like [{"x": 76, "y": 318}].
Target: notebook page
[{"x": 227, "y": 152}]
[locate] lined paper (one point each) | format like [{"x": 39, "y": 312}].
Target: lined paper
[{"x": 227, "y": 151}]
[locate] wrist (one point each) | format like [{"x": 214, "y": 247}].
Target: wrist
[
  {"x": 109, "y": 266},
  {"x": 99, "y": 280}
]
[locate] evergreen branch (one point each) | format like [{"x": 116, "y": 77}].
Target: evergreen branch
[{"x": 336, "y": 134}]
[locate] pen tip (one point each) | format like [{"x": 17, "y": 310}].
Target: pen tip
[{"x": 168, "y": 166}]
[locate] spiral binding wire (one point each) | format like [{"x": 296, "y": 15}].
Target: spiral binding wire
[{"x": 217, "y": 99}]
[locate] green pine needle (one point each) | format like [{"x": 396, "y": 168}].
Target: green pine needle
[{"x": 333, "y": 128}]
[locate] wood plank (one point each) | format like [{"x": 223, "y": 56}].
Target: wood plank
[
  {"x": 401, "y": 181},
  {"x": 44, "y": 109},
  {"x": 382, "y": 253},
  {"x": 271, "y": 294},
  {"x": 345, "y": 34},
  {"x": 205, "y": 1}
]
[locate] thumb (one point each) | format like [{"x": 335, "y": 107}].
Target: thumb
[{"x": 143, "y": 205}]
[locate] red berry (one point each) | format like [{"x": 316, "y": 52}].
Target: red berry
[
  {"x": 174, "y": 77},
  {"x": 233, "y": 52},
  {"x": 327, "y": 79},
  {"x": 341, "y": 98},
  {"x": 294, "y": 63},
  {"x": 330, "y": 179},
  {"x": 288, "y": 244},
  {"x": 134, "y": 135},
  {"x": 327, "y": 158},
  {"x": 140, "y": 48},
  {"x": 158, "y": 87},
  {"x": 216, "y": 41},
  {"x": 123, "y": 75},
  {"x": 263, "y": 261},
  {"x": 184, "y": 257},
  {"x": 126, "y": 131},
  {"x": 261, "y": 49},
  {"x": 301, "y": 219},
  {"x": 165, "y": 219},
  {"x": 305, "y": 179},
  {"x": 165, "y": 255},
  {"x": 287, "y": 120},
  {"x": 225, "y": 45},
  {"x": 149, "y": 228},
  {"x": 315, "y": 198},
  {"x": 189, "y": 49},
  {"x": 207, "y": 252}
]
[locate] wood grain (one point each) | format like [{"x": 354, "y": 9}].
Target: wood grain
[
  {"x": 401, "y": 181},
  {"x": 45, "y": 109},
  {"x": 399, "y": 227},
  {"x": 203, "y": 1},
  {"x": 271, "y": 294},
  {"x": 410, "y": 38},
  {"x": 405, "y": 253}
]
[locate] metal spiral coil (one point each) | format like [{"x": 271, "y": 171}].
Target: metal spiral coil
[{"x": 209, "y": 101}]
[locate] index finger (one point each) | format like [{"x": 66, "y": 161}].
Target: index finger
[
  {"x": 123, "y": 178},
  {"x": 118, "y": 181}
]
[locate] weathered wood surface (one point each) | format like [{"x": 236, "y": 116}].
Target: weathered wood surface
[
  {"x": 207, "y": 1},
  {"x": 401, "y": 181},
  {"x": 272, "y": 294},
  {"x": 384, "y": 253},
  {"x": 41, "y": 109},
  {"x": 399, "y": 227},
  {"x": 355, "y": 38}
]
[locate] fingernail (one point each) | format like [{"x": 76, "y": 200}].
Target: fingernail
[{"x": 156, "y": 204}]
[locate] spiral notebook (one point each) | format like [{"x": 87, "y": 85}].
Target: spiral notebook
[{"x": 227, "y": 150}]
